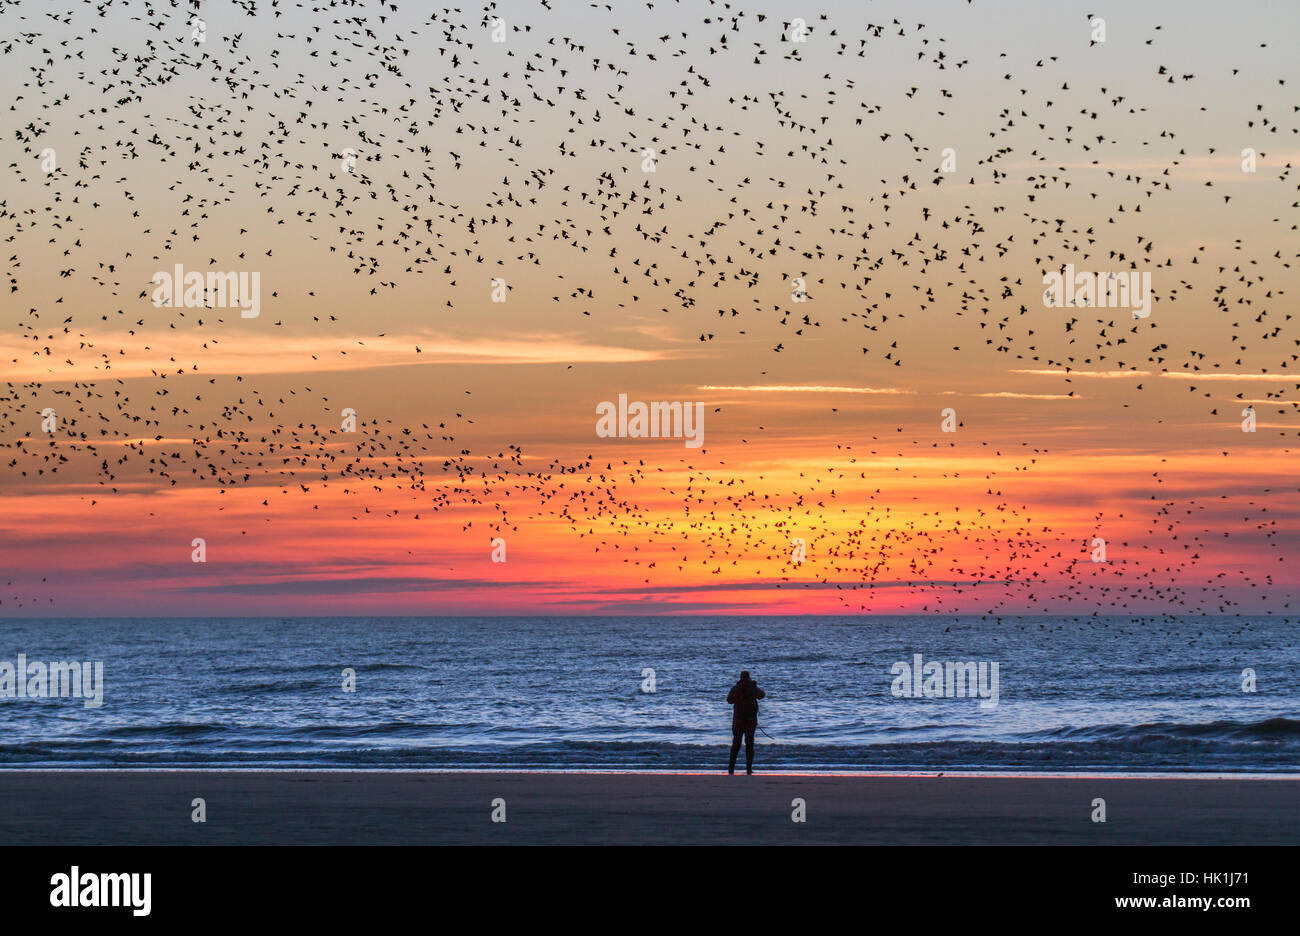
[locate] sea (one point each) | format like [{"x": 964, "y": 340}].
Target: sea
[{"x": 1073, "y": 694}]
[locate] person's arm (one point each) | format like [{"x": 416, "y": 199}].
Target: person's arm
[
  {"x": 759, "y": 693},
  {"x": 731, "y": 696}
]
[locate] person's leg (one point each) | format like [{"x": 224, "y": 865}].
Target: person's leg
[
  {"x": 735, "y": 749},
  {"x": 749, "y": 751}
]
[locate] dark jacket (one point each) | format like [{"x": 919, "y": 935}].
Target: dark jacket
[{"x": 744, "y": 696}]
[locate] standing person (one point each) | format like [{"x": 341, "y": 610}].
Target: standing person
[{"x": 744, "y": 697}]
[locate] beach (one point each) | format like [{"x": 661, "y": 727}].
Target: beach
[{"x": 132, "y": 807}]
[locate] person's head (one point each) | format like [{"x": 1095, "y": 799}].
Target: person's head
[{"x": 744, "y": 675}]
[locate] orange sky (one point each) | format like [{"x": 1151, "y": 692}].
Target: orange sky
[{"x": 822, "y": 418}]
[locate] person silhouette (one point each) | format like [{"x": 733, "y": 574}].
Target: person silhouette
[{"x": 744, "y": 696}]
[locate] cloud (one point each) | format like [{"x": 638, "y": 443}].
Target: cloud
[
  {"x": 1007, "y": 395},
  {"x": 804, "y": 388},
  {"x": 1101, "y": 375},
  {"x": 1284, "y": 378},
  {"x": 359, "y": 585},
  {"x": 849, "y": 585},
  {"x": 230, "y": 351}
]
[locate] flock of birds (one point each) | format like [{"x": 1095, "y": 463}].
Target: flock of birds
[{"x": 775, "y": 156}]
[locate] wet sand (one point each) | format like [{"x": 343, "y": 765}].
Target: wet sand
[{"x": 408, "y": 808}]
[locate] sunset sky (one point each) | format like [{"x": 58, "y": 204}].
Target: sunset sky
[{"x": 924, "y": 292}]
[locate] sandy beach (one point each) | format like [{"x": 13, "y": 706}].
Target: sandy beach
[{"x": 336, "y": 808}]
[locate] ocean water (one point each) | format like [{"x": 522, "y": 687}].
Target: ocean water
[{"x": 1074, "y": 694}]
